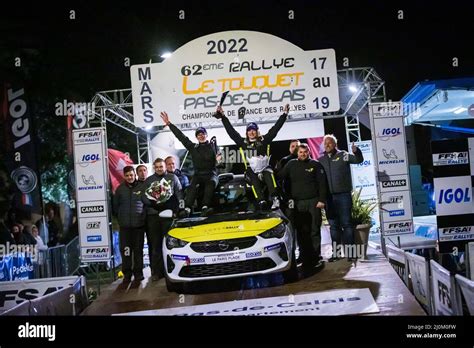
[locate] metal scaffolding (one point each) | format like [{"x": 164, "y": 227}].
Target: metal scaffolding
[{"x": 357, "y": 88}]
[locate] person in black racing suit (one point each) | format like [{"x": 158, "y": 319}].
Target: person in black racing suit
[
  {"x": 255, "y": 153},
  {"x": 204, "y": 158}
]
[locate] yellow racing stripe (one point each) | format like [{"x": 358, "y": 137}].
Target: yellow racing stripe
[{"x": 224, "y": 230}]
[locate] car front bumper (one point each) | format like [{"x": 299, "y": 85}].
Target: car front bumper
[{"x": 264, "y": 256}]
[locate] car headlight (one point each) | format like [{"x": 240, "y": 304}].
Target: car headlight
[
  {"x": 172, "y": 242},
  {"x": 275, "y": 232}
]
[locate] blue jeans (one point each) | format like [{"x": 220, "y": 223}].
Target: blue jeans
[{"x": 339, "y": 212}]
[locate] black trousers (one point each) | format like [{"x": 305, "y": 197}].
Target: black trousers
[
  {"x": 157, "y": 227},
  {"x": 308, "y": 222},
  {"x": 131, "y": 248},
  {"x": 206, "y": 182},
  {"x": 257, "y": 185}
]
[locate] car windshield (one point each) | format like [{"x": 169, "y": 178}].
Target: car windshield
[
  {"x": 231, "y": 203},
  {"x": 231, "y": 196}
]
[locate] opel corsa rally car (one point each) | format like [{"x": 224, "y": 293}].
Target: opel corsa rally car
[{"x": 232, "y": 242}]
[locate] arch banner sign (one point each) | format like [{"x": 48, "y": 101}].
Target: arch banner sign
[{"x": 261, "y": 73}]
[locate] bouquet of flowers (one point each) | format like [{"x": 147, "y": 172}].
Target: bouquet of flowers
[{"x": 159, "y": 191}]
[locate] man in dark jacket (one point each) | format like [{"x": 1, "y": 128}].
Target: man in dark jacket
[
  {"x": 309, "y": 191},
  {"x": 255, "y": 152},
  {"x": 53, "y": 230},
  {"x": 285, "y": 185},
  {"x": 158, "y": 226},
  {"x": 203, "y": 155},
  {"x": 142, "y": 172},
  {"x": 171, "y": 168},
  {"x": 129, "y": 209},
  {"x": 337, "y": 163}
]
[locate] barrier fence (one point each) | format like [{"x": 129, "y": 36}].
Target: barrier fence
[
  {"x": 69, "y": 297},
  {"x": 58, "y": 261},
  {"x": 439, "y": 291}
]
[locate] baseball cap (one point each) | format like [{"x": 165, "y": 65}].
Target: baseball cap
[
  {"x": 252, "y": 125},
  {"x": 200, "y": 130}
]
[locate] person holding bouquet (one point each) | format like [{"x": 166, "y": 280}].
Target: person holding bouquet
[
  {"x": 204, "y": 158},
  {"x": 162, "y": 191}
]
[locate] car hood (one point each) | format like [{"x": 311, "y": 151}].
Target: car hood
[{"x": 224, "y": 226}]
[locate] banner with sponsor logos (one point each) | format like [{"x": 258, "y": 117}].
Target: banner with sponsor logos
[
  {"x": 469, "y": 257},
  {"x": 262, "y": 73},
  {"x": 334, "y": 302},
  {"x": 363, "y": 178},
  {"x": 467, "y": 288},
  {"x": 453, "y": 186},
  {"x": 90, "y": 165},
  {"x": 443, "y": 287},
  {"x": 14, "y": 293},
  {"x": 391, "y": 167},
  {"x": 20, "y": 150},
  {"x": 16, "y": 266},
  {"x": 420, "y": 278}
]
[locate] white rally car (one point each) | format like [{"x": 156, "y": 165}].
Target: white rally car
[{"x": 233, "y": 242}]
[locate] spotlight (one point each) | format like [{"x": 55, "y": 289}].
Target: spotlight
[{"x": 353, "y": 88}]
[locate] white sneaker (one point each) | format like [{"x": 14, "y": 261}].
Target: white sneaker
[{"x": 276, "y": 203}]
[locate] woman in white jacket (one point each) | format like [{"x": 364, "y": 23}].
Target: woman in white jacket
[
  {"x": 39, "y": 242},
  {"x": 40, "y": 246}
]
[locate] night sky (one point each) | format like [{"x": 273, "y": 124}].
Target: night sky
[
  {"x": 65, "y": 58},
  {"x": 87, "y": 54}
]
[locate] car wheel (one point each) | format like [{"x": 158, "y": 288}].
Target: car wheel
[
  {"x": 291, "y": 275},
  {"x": 174, "y": 287}
]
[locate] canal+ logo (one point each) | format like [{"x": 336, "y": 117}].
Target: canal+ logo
[
  {"x": 451, "y": 196},
  {"x": 388, "y": 133}
]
